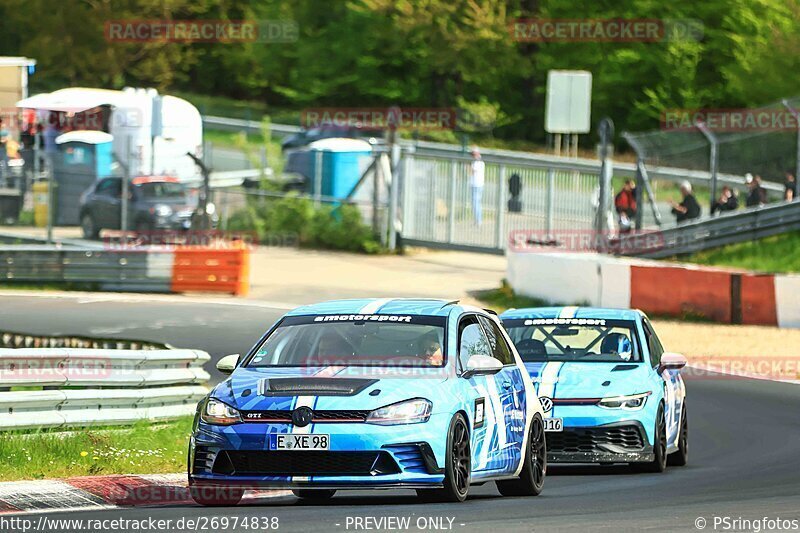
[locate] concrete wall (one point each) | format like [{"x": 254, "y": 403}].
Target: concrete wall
[{"x": 660, "y": 288}]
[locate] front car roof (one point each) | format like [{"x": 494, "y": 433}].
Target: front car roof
[
  {"x": 572, "y": 312},
  {"x": 385, "y": 306}
]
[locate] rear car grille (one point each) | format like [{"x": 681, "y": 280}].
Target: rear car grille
[
  {"x": 590, "y": 440},
  {"x": 304, "y": 463},
  {"x": 276, "y": 416}
]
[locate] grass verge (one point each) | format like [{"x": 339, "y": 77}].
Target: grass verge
[
  {"x": 780, "y": 253},
  {"x": 504, "y": 298},
  {"x": 145, "y": 448}
]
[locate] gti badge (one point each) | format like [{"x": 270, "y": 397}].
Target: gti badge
[
  {"x": 547, "y": 404},
  {"x": 302, "y": 416}
]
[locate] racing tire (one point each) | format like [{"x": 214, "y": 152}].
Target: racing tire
[
  {"x": 534, "y": 466},
  {"x": 659, "y": 463},
  {"x": 458, "y": 466},
  {"x": 215, "y": 496},
  {"x": 314, "y": 495},
  {"x": 89, "y": 228},
  {"x": 681, "y": 457}
]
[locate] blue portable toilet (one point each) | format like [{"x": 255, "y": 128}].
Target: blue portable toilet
[
  {"x": 343, "y": 163},
  {"x": 83, "y": 157}
]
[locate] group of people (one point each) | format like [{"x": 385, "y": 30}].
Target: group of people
[{"x": 689, "y": 209}]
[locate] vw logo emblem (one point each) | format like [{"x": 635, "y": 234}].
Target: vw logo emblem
[
  {"x": 547, "y": 404},
  {"x": 301, "y": 416}
]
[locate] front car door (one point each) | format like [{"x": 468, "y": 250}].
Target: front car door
[
  {"x": 512, "y": 393},
  {"x": 674, "y": 390}
]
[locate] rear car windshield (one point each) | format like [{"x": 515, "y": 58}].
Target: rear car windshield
[
  {"x": 354, "y": 340},
  {"x": 575, "y": 340},
  {"x": 161, "y": 189}
]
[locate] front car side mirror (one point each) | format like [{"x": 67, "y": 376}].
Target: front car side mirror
[
  {"x": 671, "y": 361},
  {"x": 227, "y": 364},
  {"x": 481, "y": 365}
]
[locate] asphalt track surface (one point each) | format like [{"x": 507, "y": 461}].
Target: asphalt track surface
[{"x": 744, "y": 446}]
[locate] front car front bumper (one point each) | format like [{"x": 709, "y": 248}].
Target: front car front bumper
[
  {"x": 616, "y": 442},
  {"x": 361, "y": 456}
]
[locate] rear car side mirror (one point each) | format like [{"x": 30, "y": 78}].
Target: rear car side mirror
[
  {"x": 671, "y": 361},
  {"x": 227, "y": 364},
  {"x": 481, "y": 365}
]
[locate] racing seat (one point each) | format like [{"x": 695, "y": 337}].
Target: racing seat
[
  {"x": 617, "y": 344},
  {"x": 531, "y": 348}
]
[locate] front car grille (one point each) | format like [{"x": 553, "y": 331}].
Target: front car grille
[
  {"x": 276, "y": 416},
  {"x": 596, "y": 439},
  {"x": 305, "y": 463}
]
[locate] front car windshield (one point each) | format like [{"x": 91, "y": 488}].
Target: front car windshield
[
  {"x": 354, "y": 340},
  {"x": 161, "y": 189},
  {"x": 575, "y": 340}
]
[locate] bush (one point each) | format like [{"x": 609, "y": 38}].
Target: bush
[{"x": 334, "y": 227}]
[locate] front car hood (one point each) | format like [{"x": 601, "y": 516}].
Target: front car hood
[
  {"x": 588, "y": 380},
  {"x": 330, "y": 387}
]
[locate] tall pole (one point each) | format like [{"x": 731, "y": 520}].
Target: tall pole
[
  {"x": 713, "y": 157},
  {"x": 606, "y": 171},
  {"x": 796, "y": 114}
]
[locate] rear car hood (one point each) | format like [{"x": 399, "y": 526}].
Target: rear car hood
[{"x": 588, "y": 380}]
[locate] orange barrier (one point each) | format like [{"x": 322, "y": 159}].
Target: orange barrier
[
  {"x": 759, "y": 304},
  {"x": 205, "y": 269},
  {"x": 720, "y": 295},
  {"x": 677, "y": 291}
]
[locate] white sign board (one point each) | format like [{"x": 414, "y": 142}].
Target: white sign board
[{"x": 569, "y": 101}]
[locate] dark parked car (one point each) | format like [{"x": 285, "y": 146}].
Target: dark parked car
[
  {"x": 306, "y": 137},
  {"x": 154, "y": 203}
]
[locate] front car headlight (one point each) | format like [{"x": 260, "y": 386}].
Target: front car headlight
[
  {"x": 162, "y": 210},
  {"x": 218, "y": 413},
  {"x": 413, "y": 411},
  {"x": 633, "y": 402},
  {"x": 210, "y": 208}
]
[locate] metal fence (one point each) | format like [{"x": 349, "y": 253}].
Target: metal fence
[
  {"x": 85, "y": 387},
  {"x": 438, "y": 203}
]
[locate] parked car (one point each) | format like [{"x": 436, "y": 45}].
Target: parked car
[
  {"x": 609, "y": 391},
  {"x": 356, "y": 394},
  {"x": 154, "y": 203},
  {"x": 306, "y": 137}
]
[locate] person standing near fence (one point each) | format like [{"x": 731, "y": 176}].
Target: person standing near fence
[
  {"x": 477, "y": 178},
  {"x": 688, "y": 209},
  {"x": 789, "y": 186},
  {"x": 625, "y": 205}
]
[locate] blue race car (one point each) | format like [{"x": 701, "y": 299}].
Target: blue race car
[
  {"x": 354, "y": 394},
  {"x": 609, "y": 391}
]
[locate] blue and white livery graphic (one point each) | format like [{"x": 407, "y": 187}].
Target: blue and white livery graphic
[
  {"x": 420, "y": 394},
  {"x": 609, "y": 391}
]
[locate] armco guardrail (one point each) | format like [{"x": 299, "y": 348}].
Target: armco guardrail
[
  {"x": 143, "y": 269},
  {"x": 84, "y": 387},
  {"x": 728, "y": 228}
]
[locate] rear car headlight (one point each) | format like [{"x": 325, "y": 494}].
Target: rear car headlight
[
  {"x": 634, "y": 402},
  {"x": 219, "y": 414},
  {"x": 413, "y": 411}
]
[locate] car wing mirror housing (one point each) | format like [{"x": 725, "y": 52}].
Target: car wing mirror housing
[
  {"x": 482, "y": 365},
  {"x": 671, "y": 361},
  {"x": 227, "y": 364}
]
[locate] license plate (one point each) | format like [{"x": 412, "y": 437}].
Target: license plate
[
  {"x": 301, "y": 442},
  {"x": 553, "y": 424}
]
